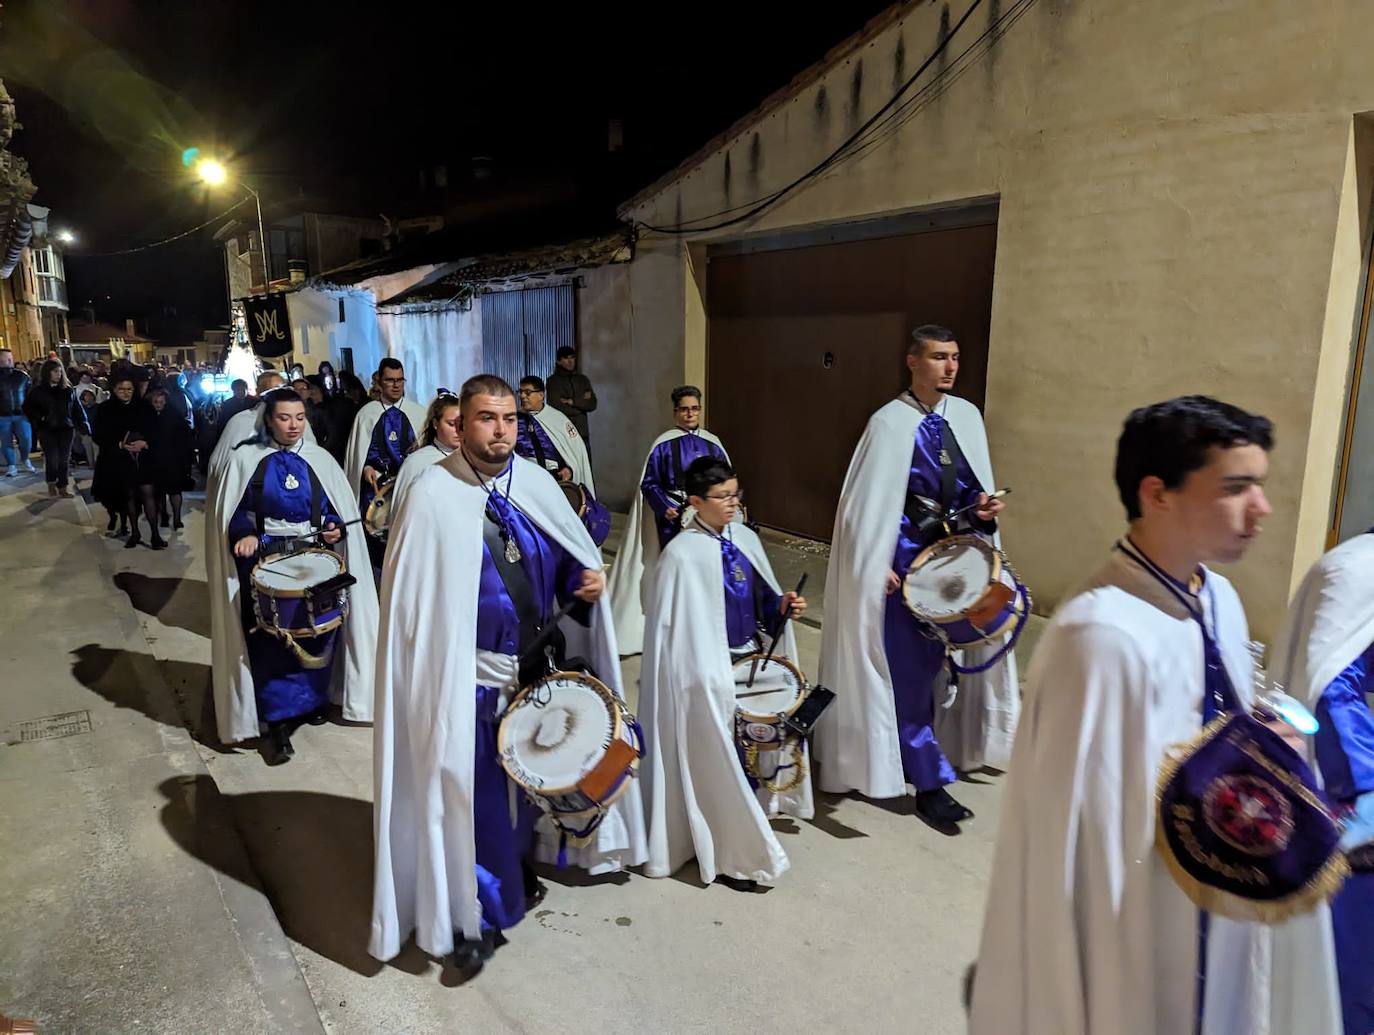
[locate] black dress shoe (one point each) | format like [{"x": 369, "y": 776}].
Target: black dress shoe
[
  {"x": 133, "y": 541},
  {"x": 318, "y": 718},
  {"x": 471, "y": 954},
  {"x": 737, "y": 883},
  {"x": 158, "y": 542},
  {"x": 939, "y": 806},
  {"x": 279, "y": 749}
]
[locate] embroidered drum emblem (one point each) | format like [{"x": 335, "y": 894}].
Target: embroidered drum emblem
[{"x": 1249, "y": 814}]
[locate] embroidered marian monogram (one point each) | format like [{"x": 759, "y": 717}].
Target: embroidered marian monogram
[{"x": 267, "y": 325}]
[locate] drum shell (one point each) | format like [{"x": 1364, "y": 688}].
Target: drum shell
[
  {"x": 301, "y": 612},
  {"x": 958, "y": 627},
  {"x": 767, "y": 730}
]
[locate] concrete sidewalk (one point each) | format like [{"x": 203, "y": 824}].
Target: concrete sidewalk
[
  {"x": 129, "y": 902},
  {"x": 141, "y": 848}
]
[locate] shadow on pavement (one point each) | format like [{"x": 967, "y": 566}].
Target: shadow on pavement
[
  {"x": 183, "y": 603},
  {"x": 311, "y": 854},
  {"x": 129, "y": 679}
]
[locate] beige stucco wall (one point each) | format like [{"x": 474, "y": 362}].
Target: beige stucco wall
[{"x": 1181, "y": 211}]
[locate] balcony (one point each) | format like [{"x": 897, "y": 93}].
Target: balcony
[{"x": 52, "y": 292}]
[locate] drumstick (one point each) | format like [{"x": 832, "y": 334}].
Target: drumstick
[
  {"x": 801, "y": 584},
  {"x": 309, "y": 535},
  {"x": 974, "y": 506}
]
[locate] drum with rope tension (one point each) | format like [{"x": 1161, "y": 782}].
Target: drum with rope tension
[
  {"x": 769, "y": 701},
  {"x": 299, "y": 596},
  {"x": 572, "y": 746}
]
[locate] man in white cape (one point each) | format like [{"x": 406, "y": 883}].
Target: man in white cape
[
  {"x": 1086, "y": 932},
  {"x": 887, "y": 728},
  {"x": 1325, "y": 658},
  {"x": 432, "y": 675},
  {"x": 548, "y": 437},
  {"x": 383, "y": 434},
  {"x": 236, "y": 715},
  {"x": 438, "y": 438},
  {"x": 704, "y": 609},
  {"x": 656, "y": 513}
]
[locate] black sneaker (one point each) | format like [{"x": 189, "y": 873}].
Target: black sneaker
[{"x": 939, "y": 807}]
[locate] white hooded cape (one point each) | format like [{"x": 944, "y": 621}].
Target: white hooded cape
[
  {"x": 632, "y": 571},
  {"x": 569, "y": 445},
  {"x": 412, "y": 467},
  {"x": 1330, "y": 621},
  {"x": 423, "y": 745},
  {"x": 236, "y": 707},
  {"x": 1085, "y": 930},
  {"x": 698, "y": 798},
  {"x": 856, "y": 740},
  {"x": 360, "y": 438}
]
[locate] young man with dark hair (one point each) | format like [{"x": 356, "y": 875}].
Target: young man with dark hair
[
  {"x": 714, "y": 599},
  {"x": 383, "y": 433},
  {"x": 1086, "y": 929},
  {"x": 656, "y": 514},
  {"x": 923, "y": 457},
  {"x": 549, "y": 438},
  {"x": 484, "y": 549},
  {"x": 571, "y": 392}
]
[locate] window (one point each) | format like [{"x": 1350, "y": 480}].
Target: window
[{"x": 42, "y": 261}]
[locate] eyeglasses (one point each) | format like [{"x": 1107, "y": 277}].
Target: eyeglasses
[
  {"x": 689, "y": 409},
  {"x": 737, "y": 497},
  {"x": 530, "y": 391},
  {"x": 393, "y": 380}
]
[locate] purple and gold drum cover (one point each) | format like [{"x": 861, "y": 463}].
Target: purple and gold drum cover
[{"x": 1242, "y": 827}]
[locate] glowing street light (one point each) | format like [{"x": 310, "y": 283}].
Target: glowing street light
[
  {"x": 212, "y": 172},
  {"x": 215, "y": 174},
  {"x": 66, "y": 237}
]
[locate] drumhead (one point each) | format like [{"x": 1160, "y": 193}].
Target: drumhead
[
  {"x": 556, "y": 731},
  {"x": 297, "y": 571},
  {"x": 777, "y": 688},
  {"x": 949, "y": 577},
  {"x": 577, "y": 498}
]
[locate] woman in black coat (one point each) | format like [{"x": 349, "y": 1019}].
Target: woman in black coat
[
  {"x": 125, "y": 429},
  {"x": 55, "y": 417},
  {"x": 172, "y": 454}
]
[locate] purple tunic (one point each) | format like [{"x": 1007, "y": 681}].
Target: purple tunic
[
  {"x": 533, "y": 443},
  {"x": 666, "y": 463},
  {"x": 750, "y": 603}
]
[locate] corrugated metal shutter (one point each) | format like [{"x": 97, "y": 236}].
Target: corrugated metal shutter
[{"x": 522, "y": 330}]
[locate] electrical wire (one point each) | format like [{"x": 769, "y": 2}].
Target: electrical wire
[
  {"x": 879, "y": 127},
  {"x": 165, "y": 240},
  {"x": 825, "y": 162}
]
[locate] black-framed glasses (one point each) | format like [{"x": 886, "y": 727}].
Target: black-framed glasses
[
  {"x": 689, "y": 409},
  {"x": 393, "y": 380},
  {"x": 529, "y": 391},
  {"x": 737, "y": 496}
]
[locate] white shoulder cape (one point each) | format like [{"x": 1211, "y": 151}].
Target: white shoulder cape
[
  {"x": 236, "y": 709},
  {"x": 856, "y": 741},
  {"x": 424, "y": 879},
  {"x": 1330, "y": 621},
  {"x": 1085, "y": 930},
  {"x": 412, "y": 467},
  {"x": 240, "y": 426},
  {"x": 360, "y": 438},
  {"x": 633, "y": 567},
  {"x": 698, "y": 799},
  {"x": 569, "y": 445}
]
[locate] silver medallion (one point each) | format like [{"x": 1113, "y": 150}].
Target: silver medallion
[
  {"x": 738, "y": 573},
  {"x": 291, "y": 482},
  {"x": 391, "y": 437},
  {"x": 945, "y": 461},
  {"x": 512, "y": 551}
]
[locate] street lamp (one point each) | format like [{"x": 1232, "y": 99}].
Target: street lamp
[
  {"x": 66, "y": 237},
  {"x": 213, "y": 173}
]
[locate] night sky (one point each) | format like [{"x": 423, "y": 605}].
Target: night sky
[{"x": 344, "y": 109}]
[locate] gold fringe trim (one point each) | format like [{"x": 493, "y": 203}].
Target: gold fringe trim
[{"x": 1321, "y": 888}]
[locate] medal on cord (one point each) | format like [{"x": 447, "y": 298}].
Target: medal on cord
[
  {"x": 736, "y": 570},
  {"x": 493, "y": 493}
]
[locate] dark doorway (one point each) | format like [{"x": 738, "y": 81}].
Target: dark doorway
[{"x": 804, "y": 343}]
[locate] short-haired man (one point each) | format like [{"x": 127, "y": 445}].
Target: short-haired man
[
  {"x": 571, "y": 391},
  {"x": 484, "y": 548},
  {"x": 1085, "y": 928},
  {"x": 548, "y": 438},
  {"x": 14, "y": 426},
  {"x": 383, "y": 433},
  {"x": 656, "y": 513},
  {"x": 923, "y": 457}
]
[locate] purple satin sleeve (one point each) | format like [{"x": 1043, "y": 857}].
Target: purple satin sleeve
[{"x": 1345, "y": 741}]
